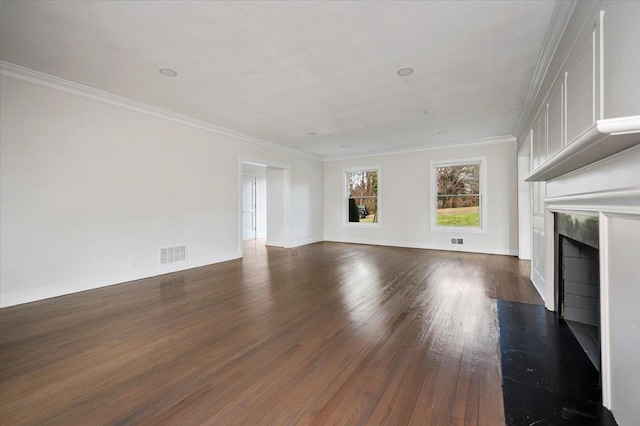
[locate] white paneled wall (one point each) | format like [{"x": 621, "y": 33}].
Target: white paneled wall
[
  {"x": 580, "y": 83},
  {"x": 592, "y": 77},
  {"x": 620, "y": 56},
  {"x": 555, "y": 112}
]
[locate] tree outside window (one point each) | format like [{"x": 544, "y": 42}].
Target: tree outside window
[
  {"x": 458, "y": 195},
  {"x": 362, "y": 196}
]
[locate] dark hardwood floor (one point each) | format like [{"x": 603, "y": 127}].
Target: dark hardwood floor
[{"x": 328, "y": 333}]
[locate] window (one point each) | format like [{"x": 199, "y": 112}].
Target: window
[
  {"x": 457, "y": 197},
  {"x": 362, "y": 196}
]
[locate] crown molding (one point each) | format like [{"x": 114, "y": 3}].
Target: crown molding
[
  {"x": 469, "y": 142},
  {"x": 559, "y": 21},
  {"x": 56, "y": 83}
]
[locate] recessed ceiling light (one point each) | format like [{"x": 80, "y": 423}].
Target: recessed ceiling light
[
  {"x": 168, "y": 72},
  {"x": 444, "y": 132},
  {"x": 344, "y": 146},
  {"x": 403, "y": 72},
  {"x": 312, "y": 133},
  {"x": 429, "y": 111}
]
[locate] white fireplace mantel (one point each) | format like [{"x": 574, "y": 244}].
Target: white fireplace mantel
[
  {"x": 618, "y": 201},
  {"x": 609, "y": 189},
  {"x": 601, "y": 140}
]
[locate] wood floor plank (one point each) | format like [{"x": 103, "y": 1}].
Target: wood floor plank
[{"x": 325, "y": 333}]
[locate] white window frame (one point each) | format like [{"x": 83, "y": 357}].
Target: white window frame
[
  {"x": 345, "y": 197},
  {"x": 433, "y": 203}
]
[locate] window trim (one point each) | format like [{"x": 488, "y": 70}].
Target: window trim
[
  {"x": 433, "y": 204},
  {"x": 345, "y": 207}
]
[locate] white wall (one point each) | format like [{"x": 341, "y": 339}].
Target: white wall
[
  {"x": 404, "y": 191},
  {"x": 260, "y": 172},
  {"x": 276, "y": 222},
  {"x": 87, "y": 186},
  {"x": 624, "y": 322}
]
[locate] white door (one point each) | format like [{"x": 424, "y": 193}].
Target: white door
[
  {"x": 248, "y": 207},
  {"x": 524, "y": 209},
  {"x": 538, "y": 252}
]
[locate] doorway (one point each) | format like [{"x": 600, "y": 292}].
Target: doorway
[
  {"x": 253, "y": 201},
  {"x": 264, "y": 204}
]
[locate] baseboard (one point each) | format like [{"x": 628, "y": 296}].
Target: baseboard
[
  {"x": 19, "y": 298},
  {"x": 427, "y": 246},
  {"x": 275, "y": 243},
  {"x": 305, "y": 242},
  {"x": 542, "y": 296},
  {"x": 538, "y": 283}
]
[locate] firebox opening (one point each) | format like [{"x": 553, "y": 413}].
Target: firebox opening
[
  {"x": 579, "y": 280},
  {"x": 581, "y": 302}
]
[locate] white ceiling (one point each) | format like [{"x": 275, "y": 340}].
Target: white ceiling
[{"x": 278, "y": 70}]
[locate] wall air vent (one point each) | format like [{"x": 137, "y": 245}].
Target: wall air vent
[{"x": 173, "y": 254}]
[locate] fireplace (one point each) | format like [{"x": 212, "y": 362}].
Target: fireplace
[
  {"x": 577, "y": 283},
  {"x": 609, "y": 194}
]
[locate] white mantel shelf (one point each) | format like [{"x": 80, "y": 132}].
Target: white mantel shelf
[{"x": 605, "y": 138}]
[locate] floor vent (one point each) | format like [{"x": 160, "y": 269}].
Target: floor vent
[{"x": 173, "y": 254}]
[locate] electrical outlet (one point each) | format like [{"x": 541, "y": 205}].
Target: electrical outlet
[
  {"x": 457, "y": 240},
  {"x": 133, "y": 262},
  {"x": 460, "y": 241}
]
